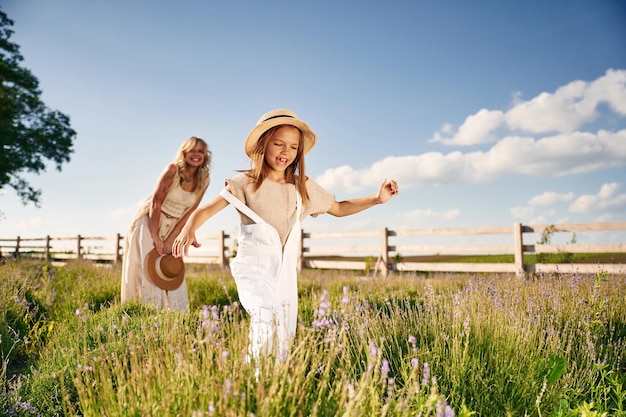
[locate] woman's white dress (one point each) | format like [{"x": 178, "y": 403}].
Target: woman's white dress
[{"x": 136, "y": 284}]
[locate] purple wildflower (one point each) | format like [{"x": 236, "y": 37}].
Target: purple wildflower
[
  {"x": 205, "y": 312},
  {"x": 384, "y": 368},
  {"x": 448, "y": 412},
  {"x": 215, "y": 312},
  {"x": 228, "y": 385},
  {"x": 373, "y": 348},
  {"x": 426, "y": 375}
]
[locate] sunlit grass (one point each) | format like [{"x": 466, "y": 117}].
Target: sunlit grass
[{"x": 495, "y": 345}]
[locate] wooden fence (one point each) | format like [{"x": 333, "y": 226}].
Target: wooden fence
[{"x": 378, "y": 251}]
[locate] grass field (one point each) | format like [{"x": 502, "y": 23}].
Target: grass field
[{"x": 404, "y": 345}]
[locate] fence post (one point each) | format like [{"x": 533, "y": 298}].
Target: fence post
[
  {"x": 79, "y": 247},
  {"x": 222, "y": 245},
  {"x": 300, "y": 262},
  {"x": 47, "y": 250},
  {"x": 118, "y": 247},
  {"x": 17, "y": 248},
  {"x": 384, "y": 252},
  {"x": 518, "y": 249}
]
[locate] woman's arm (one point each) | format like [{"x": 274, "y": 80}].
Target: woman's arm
[
  {"x": 158, "y": 196},
  {"x": 187, "y": 235},
  {"x": 345, "y": 208}
]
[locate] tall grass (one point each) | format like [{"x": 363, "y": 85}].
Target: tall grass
[{"x": 489, "y": 345}]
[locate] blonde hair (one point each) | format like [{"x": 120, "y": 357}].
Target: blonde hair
[
  {"x": 294, "y": 173},
  {"x": 202, "y": 175}
]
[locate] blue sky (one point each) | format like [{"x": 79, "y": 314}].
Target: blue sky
[{"x": 487, "y": 113}]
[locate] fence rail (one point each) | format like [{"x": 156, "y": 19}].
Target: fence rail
[{"x": 380, "y": 250}]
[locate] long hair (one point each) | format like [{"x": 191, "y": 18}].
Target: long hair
[
  {"x": 202, "y": 175},
  {"x": 294, "y": 173}
]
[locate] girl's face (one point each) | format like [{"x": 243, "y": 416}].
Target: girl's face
[
  {"x": 282, "y": 150},
  {"x": 195, "y": 157}
]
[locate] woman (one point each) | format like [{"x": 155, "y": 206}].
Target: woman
[{"x": 162, "y": 216}]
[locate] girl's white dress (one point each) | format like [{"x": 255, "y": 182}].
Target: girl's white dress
[
  {"x": 136, "y": 284},
  {"x": 265, "y": 267},
  {"x": 265, "y": 272}
]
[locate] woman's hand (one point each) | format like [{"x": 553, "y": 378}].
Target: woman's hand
[
  {"x": 160, "y": 247},
  {"x": 181, "y": 244}
]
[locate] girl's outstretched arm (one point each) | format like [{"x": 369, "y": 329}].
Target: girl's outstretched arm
[
  {"x": 187, "y": 235},
  {"x": 179, "y": 226},
  {"x": 344, "y": 208}
]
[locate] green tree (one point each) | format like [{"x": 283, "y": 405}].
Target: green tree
[{"x": 30, "y": 133}]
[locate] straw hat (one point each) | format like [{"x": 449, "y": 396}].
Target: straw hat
[
  {"x": 276, "y": 118},
  {"x": 166, "y": 271}
]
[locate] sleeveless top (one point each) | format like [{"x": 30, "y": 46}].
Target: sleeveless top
[{"x": 178, "y": 203}]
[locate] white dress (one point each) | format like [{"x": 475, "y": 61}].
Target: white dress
[
  {"x": 265, "y": 272},
  {"x": 136, "y": 284}
]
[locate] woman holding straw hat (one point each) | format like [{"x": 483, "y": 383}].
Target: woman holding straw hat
[
  {"x": 149, "y": 273},
  {"x": 272, "y": 197}
]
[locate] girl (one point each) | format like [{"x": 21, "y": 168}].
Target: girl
[
  {"x": 161, "y": 217},
  {"x": 272, "y": 197}
]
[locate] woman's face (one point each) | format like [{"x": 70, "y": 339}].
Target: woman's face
[
  {"x": 195, "y": 157},
  {"x": 282, "y": 150}
]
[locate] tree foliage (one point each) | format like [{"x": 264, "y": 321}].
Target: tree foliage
[{"x": 30, "y": 133}]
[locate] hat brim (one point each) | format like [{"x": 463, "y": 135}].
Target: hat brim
[
  {"x": 167, "y": 284},
  {"x": 309, "y": 137}
]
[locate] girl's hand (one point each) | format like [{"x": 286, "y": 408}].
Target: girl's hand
[
  {"x": 182, "y": 242},
  {"x": 167, "y": 245},
  {"x": 387, "y": 190}
]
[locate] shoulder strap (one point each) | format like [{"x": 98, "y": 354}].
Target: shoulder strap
[{"x": 239, "y": 205}]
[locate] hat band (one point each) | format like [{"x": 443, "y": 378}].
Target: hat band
[
  {"x": 159, "y": 271},
  {"x": 280, "y": 115}
]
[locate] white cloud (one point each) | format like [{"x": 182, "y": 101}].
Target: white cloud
[
  {"x": 527, "y": 215},
  {"x": 446, "y": 129},
  {"x": 604, "y": 218},
  {"x": 611, "y": 89},
  {"x": 428, "y": 214},
  {"x": 570, "y": 106},
  {"x": 562, "y": 220},
  {"x": 604, "y": 204},
  {"x": 565, "y": 152},
  {"x": 559, "y": 155},
  {"x": 477, "y": 128},
  {"x": 564, "y": 111},
  {"x": 124, "y": 212},
  {"x": 34, "y": 223},
  {"x": 550, "y": 198},
  {"x": 522, "y": 212},
  {"x": 607, "y": 199},
  {"x": 358, "y": 225}
]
